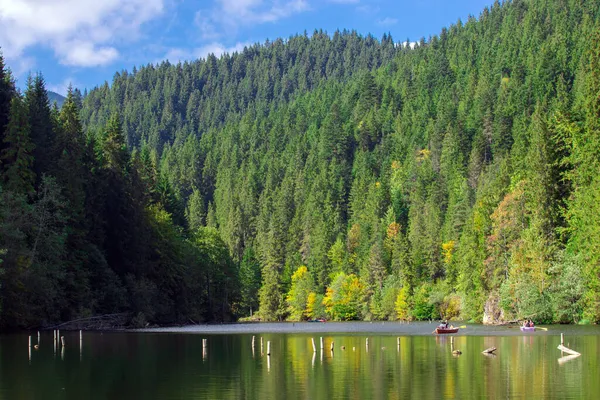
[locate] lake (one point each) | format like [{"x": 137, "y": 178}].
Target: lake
[{"x": 171, "y": 363}]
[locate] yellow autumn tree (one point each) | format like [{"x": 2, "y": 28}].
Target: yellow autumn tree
[
  {"x": 343, "y": 298},
  {"x": 402, "y": 304},
  {"x": 297, "y": 297}
]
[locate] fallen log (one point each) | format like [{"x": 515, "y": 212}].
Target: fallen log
[
  {"x": 491, "y": 350},
  {"x": 564, "y": 349},
  {"x": 96, "y": 322},
  {"x": 568, "y": 350}
]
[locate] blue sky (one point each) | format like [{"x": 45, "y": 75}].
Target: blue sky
[{"x": 84, "y": 42}]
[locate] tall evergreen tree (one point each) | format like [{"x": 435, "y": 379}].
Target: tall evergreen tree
[
  {"x": 17, "y": 155},
  {"x": 40, "y": 122}
]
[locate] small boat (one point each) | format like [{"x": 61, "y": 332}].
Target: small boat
[
  {"x": 442, "y": 331},
  {"x": 318, "y": 320},
  {"x": 528, "y": 329}
]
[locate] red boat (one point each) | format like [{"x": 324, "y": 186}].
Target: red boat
[{"x": 442, "y": 331}]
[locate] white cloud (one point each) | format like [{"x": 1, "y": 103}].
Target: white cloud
[
  {"x": 218, "y": 49},
  {"x": 85, "y": 54},
  {"x": 62, "y": 87},
  {"x": 19, "y": 67},
  {"x": 208, "y": 30},
  {"x": 226, "y": 16},
  {"x": 81, "y": 32},
  {"x": 176, "y": 55},
  {"x": 344, "y": 1},
  {"x": 387, "y": 21}
]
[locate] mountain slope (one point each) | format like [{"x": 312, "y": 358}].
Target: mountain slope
[
  {"x": 436, "y": 182},
  {"x": 54, "y": 97}
]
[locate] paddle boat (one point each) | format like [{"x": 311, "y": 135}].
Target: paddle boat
[
  {"x": 528, "y": 326},
  {"x": 528, "y": 329}
]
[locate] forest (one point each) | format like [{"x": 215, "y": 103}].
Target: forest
[{"x": 337, "y": 176}]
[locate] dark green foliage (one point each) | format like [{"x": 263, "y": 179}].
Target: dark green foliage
[
  {"x": 250, "y": 280},
  {"x": 17, "y": 153},
  {"x": 7, "y": 91},
  {"x": 450, "y": 163},
  {"x": 96, "y": 238},
  {"x": 40, "y": 124},
  {"x": 438, "y": 181}
]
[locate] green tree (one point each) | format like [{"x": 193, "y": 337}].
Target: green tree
[
  {"x": 40, "y": 123},
  {"x": 250, "y": 280},
  {"x": 17, "y": 154},
  {"x": 195, "y": 211}
]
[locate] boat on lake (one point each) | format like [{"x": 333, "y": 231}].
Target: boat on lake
[
  {"x": 443, "y": 331},
  {"x": 528, "y": 329}
]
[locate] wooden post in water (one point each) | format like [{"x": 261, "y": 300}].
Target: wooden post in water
[
  {"x": 62, "y": 341},
  {"x": 38, "y": 337},
  {"x": 332, "y": 346},
  {"x": 30, "y": 342},
  {"x": 562, "y": 347},
  {"x": 322, "y": 343},
  {"x": 313, "y": 343},
  {"x": 367, "y": 344},
  {"x": 269, "y": 348}
]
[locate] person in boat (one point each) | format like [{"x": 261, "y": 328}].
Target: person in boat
[
  {"x": 444, "y": 325},
  {"x": 531, "y": 324}
]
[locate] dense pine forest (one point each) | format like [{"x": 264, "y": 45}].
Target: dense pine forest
[{"x": 335, "y": 176}]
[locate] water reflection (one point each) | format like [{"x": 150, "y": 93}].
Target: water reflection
[{"x": 182, "y": 366}]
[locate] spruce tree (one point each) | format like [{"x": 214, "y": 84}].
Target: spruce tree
[
  {"x": 17, "y": 154},
  {"x": 7, "y": 91},
  {"x": 40, "y": 121}
]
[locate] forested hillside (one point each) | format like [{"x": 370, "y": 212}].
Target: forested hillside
[
  {"x": 83, "y": 231},
  {"x": 346, "y": 177}
]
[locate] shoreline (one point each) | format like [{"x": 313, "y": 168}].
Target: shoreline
[{"x": 375, "y": 328}]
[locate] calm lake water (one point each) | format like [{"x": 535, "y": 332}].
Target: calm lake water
[{"x": 169, "y": 365}]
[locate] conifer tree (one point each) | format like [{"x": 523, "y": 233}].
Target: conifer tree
[
  {"x": 7, "y": 91},
  {"x": 17, "y": 154},
  {"x": 40, "y": 122}
]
